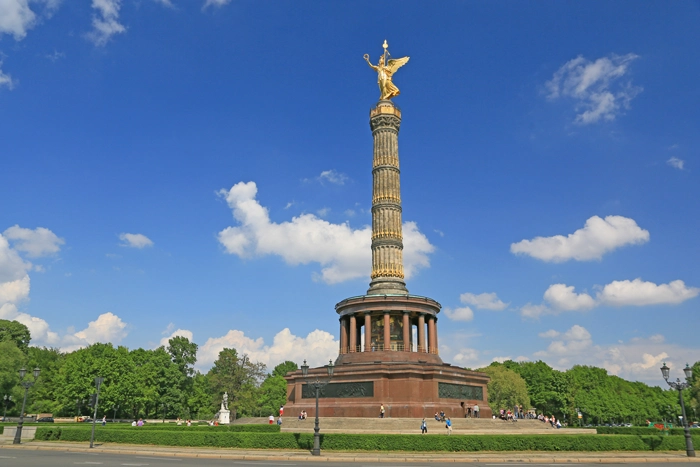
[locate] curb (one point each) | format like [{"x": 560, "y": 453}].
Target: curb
[{"x": 370, "y": 457}]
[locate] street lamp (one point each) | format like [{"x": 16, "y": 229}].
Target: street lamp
[
  {"x": 317, "y": 385},
  {"x": 26, "y": 385},
  {"x": 98, "y": 382},
  {"x": 679, "y": 386}
]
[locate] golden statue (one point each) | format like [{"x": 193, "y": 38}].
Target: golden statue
[{"x": 385, "y": 70}]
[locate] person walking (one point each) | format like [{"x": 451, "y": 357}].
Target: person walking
[
  {"x": 448, "y": 425},
  {"x": 104, "y": 420},
  {"x": 423, "y": 427},
  {"x": 476, "y": 411},
  {"x": 381, "y": 411}
]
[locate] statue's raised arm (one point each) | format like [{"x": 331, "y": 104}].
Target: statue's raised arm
[{"x": 385, "y": 70}]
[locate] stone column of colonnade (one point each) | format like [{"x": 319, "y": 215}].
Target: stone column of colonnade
[{"x": 387, "y": 237}]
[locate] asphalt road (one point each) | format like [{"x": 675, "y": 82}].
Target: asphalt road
[{"x": 20, "y": 458}]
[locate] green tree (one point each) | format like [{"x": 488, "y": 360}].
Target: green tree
[
  {"x": 15, "y": 332},
  {"x": 283, "y": 368},
  {"x": 49, "y": 361},
  {"x": 506, "y": 388},
  {"x": 238, "y": 376},
  {"x": 11, "y": 360},
  {"x": 183, "y": 353}
]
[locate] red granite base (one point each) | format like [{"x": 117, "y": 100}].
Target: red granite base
[{"x": 406, "y": 389}]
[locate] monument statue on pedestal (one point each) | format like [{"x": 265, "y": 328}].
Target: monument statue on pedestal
[
  {"x": 224, "y": 412},
  {"x": 385, "y": 70}
]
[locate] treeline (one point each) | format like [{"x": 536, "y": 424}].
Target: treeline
[
  {"x": 163, "y": 383},
  {"x": 600, "y": 398},
  {"x": 137, "y": 383}
]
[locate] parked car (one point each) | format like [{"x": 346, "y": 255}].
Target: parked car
[{"x": 45, "y": 420}]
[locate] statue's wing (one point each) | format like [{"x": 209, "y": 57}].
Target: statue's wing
[{"x": 396, "y": 63}]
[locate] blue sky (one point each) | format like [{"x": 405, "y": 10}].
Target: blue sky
[{"x": 203, "y": 168}]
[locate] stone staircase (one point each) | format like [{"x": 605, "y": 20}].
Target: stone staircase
[{"x": 471, "y": 426}]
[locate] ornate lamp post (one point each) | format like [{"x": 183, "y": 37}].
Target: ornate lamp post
[
  {"x": 317, "y": 385},
  {"x": 7, "y": 400},
  {"x": 98, "y": 382},
  {"x": 679, "y": 386},
  {"x": 26, "y": 385}
]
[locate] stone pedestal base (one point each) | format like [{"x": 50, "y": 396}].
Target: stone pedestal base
[
  {"x": 224, "y": 417},
  {"x": 406, "y": 389}
]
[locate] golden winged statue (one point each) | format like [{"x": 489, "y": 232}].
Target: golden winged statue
[{"x": 385, "y": 70}]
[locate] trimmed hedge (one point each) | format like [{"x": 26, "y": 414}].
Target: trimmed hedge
[
  {"x": 245, "y": 428},
  {"x": 637, "y": 430},
  {"x": 372, "y": 442},
  {"x": 2, "y": 429}
]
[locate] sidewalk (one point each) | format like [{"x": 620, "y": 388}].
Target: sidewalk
[{"x": 330, "y": 456}]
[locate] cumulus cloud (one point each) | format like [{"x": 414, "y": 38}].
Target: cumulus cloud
[
  {"x": 106, "y": 23},
  {"x": 135, "y": 240},
  {"x": 36, "y": 243},
  {"x": 459, "y": 314},
  {"x": 596, "y": 238},
  {"x": 180, "y": 332},
  {"x": 676, "y": 163},
  {"x": 598, "y": 88},
  {"x": 317, "y": 348},
  {"x": 15, "y": 286},
  {"x": 483, "y": 301},
  {"x": 332, "y": 176},
  {"x": 561, "y": 297},
  {"x": 108, "y": 327},
  {"x": 641, "y": 293},
  {"x": 638, "y": 359},
  {"x": 343, "y": 253}
]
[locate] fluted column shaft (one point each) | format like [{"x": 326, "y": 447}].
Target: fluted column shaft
[
  {"x": 431, "y": 334},
  {"x": 387, "y": 237}
]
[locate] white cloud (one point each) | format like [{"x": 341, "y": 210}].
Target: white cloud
[
  {"x": 641, "y": 293},
  {"x": 676, "y": 163},
  {"x": 597, "y": 87},
  {"x": 597, "y": 237},
  {"x": 106, "y": 23},
  {"x": 108, "y": 327},
  {"x": 135, "y": 240},
  {"x": 563, "y": 297},
  {"x": 344, "y": 253},
  {"x": 638, "y": 359},
  {"x": 484, "y": 301},
  {"x": 36, "y": 243},
  {"x": 323, "y": 212},
  {"x": 332, "y": 176},
  {"x": 16, "y": 18},
  {"x": 551, "y": 334},
  {"x": 215, "y": 3},
  {"x": 5, "y": 79},
  {"x": 167, "y": 3},
  {"x": 317, "y": 348},
  {"x": 14, "y": 291},
  {"x": 459, "y": 314},
  {"x": 12, "y": 266},
  {"x": 466, "y": 357},
  {"x": 180, "y": 332}
]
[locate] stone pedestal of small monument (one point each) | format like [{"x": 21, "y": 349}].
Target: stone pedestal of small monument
[{"x": 224, "y": 412}]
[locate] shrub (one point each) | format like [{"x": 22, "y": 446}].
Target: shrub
[
  {"x": 369, "y": 442},
  {"x": 636, "y": 430}
]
